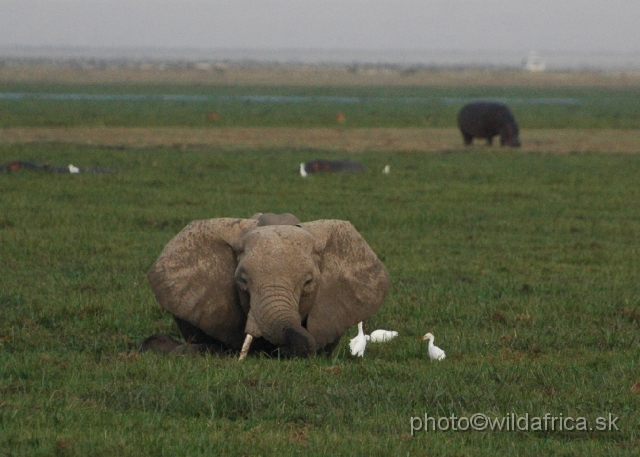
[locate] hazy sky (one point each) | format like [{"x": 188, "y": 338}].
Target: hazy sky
[{"x": 501, "y": 25}]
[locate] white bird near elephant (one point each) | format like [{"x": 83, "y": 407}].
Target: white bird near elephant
[
  {"x": 381, "y": 336},
  {"x": 359, "y": 343},
  {"x": 435, "y": 353},
  {"x": 303, "y": 172}
]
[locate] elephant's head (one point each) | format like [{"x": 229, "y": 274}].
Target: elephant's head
[{"x": 299, "y": 286}]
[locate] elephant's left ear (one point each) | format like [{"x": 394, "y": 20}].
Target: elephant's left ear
[
  {"x": 353, "y": 283},
  {"x": 193, "y": 278}
]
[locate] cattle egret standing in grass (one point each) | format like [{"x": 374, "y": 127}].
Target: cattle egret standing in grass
[
  {"x": 359, "y": 343},
  {"x": 387, "y": 169},
  {"x": 435, "y": 353},
  {"x": 73, "y": 169},
  {"x": 381, "y": 336},
  {"x": 303, "y": 172}
]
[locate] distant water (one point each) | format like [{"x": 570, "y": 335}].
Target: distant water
[
  {"x": 604, "y": 61},
  {"x": 274, "y": 98}
]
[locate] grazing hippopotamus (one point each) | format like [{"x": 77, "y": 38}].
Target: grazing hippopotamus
[{"x": 486, "y": 120}]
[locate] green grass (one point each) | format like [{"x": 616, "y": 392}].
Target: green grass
[
  {"x": 378, "y": 106},
  {"x": 524, "y": 266}
]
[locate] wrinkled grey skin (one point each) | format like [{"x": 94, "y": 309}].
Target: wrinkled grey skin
[
  {"x": 295, "y": 287},
  {"x": 486, "y": 120}
]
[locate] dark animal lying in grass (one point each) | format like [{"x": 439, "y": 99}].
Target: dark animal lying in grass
[
  {"x": 293, "y": 287},
  {"x": 26, "y": 165},
  {"x": 486, "y": 120},
  {"x": 321, "y": 165}
]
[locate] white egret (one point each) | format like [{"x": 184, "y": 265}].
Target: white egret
[
  {"x": 381, "y": 336},
  {"x": 387, "y": 169},
  {"x": 359, "y": 343},
  {"x": 303, "y": 172},
  {"x": 73, "y": 169},
  {"x": 435, "y": 353}
]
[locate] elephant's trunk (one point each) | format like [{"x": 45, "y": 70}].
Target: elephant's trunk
[
  {"x": 274, "y": 308},
  {"x": 274, "y": 314}
]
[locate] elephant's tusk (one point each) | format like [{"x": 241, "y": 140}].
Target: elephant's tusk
[{"x": 245, "y": 346}]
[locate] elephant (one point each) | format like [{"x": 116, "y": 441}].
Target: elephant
[
  {"x": 269, "y": 283},
  {"x": 486, "y": 120}
]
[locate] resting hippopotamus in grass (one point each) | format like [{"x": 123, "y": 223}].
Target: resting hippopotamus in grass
[
  {"x": 486, "y": 120},
  {"x": 321, "y": 165}
]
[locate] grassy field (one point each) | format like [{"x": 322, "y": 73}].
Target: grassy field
[
  {"x": 164, "y": 105},
  {"x": 524, "y": 266},
  {"x": 523, "y": 263}
]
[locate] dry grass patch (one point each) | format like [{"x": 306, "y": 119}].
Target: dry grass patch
[
  {"x": 266, "y": 74},
  {"x": 350, "y": 140}
]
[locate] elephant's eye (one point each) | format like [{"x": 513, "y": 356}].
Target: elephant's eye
[
  {"x": 241, "y": 280},
  {"x": 308, "y": 282}
]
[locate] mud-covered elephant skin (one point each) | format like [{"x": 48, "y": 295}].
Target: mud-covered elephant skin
[
  {"x": 486, "y": 120},
  {"x": 295, "y": 287}
]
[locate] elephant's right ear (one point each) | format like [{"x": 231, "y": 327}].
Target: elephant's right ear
[{"x": 193, "y": 277}]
